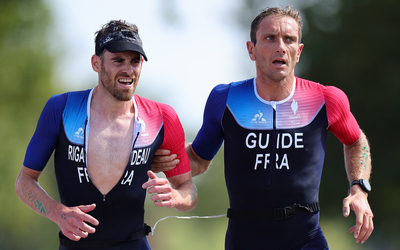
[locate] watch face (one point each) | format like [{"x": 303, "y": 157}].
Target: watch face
[{"x": 365, "y": 184}]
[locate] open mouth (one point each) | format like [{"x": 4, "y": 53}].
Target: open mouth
[
  {"x": 125, "y": 81},
  {"x": 279, "y": 62}
]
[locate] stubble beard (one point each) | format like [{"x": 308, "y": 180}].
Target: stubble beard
[
  {"x": 108, "y": 84},
  {"x": 276, "y": 76},
  {"x": 272, "y": 76}
]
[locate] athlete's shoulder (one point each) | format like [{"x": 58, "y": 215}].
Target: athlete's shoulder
[
  {"x": 220, "y": 92},
  {"x": 144, "y": 100},
  {"x": 58, "y": 99},
  {"x": 78, "y": 93},
  {"x": 334, "y": 96},
  {"x": 248, "y": 83},
  {"x": 304, "y": 83},
  {"x": 333, "y": 92},
  {"x": 55, "y": 104},
  {"x": 168, "y": 112},
  {"x": 243, "y": 83},
  {"x": 226, "y": 86},
  {"x": 220, "y": 89},
  {"x": 77, "y": 98},
  {"x": 329, "y": 92},
  {"x": 148, "y": 106}
]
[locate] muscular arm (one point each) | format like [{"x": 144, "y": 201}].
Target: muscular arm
[
  {"x": 358, "y": 166},
  {"x": 70, "y": 220},
  {"x": 186, "y": 192},
  {"x": 163, "y": 161},
  {"x": 358, "y": 159},
  {"x": 197, "y": 164},
  {"x": 32, "y": 194}
]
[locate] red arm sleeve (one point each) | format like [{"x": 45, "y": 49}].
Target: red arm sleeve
[
  {"x": 174, "y": 140},
  {"x": 341, "y": 121}
]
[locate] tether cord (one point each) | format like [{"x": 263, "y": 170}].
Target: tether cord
[{"x": 186, "y": 217}]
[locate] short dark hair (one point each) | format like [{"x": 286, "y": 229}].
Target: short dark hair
[
  {"x": 112, "y": 26},
  {"x": 275, "y": 11}
]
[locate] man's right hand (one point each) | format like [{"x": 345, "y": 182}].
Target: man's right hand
[
  {"x": 73, "y": 221},
  {"x": 163, "y": 161}
]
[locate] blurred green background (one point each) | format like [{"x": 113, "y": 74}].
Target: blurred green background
[{"x": 351, "y": 44}]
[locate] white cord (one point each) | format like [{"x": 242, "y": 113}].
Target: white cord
[{"x": 186, "y": 217}]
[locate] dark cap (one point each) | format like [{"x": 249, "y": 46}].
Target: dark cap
[{"x": 122, "y": 40}]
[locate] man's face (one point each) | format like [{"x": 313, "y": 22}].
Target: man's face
[
  {"x": 277, "y": 49},
  {"x": 119, "y": 73}
]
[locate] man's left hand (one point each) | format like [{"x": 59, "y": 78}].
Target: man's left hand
[
  {"x": 163, "y": 193},
  {"x": 357, "y": 201}
]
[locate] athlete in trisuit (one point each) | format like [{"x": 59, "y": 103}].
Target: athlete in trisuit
[
  {"x": 274, "y": 129},
  {"x": 104, "y": 141}
]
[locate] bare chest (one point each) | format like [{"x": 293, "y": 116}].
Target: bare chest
[{"x": 109, "y": 149}]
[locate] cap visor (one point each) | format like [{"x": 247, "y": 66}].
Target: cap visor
[{"x": 125, "y": 46}]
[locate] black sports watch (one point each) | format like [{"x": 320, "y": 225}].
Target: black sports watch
[{"x": 364, "y": 184}]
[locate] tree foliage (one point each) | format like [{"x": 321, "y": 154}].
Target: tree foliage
[
  {"x": 25, "y": 85},
  {"x": 351, "y": 44}
]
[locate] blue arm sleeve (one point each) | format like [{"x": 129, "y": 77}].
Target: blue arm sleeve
[
  {"x": 211, "y": 135},
  {"x": 45, "y": 137}
]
